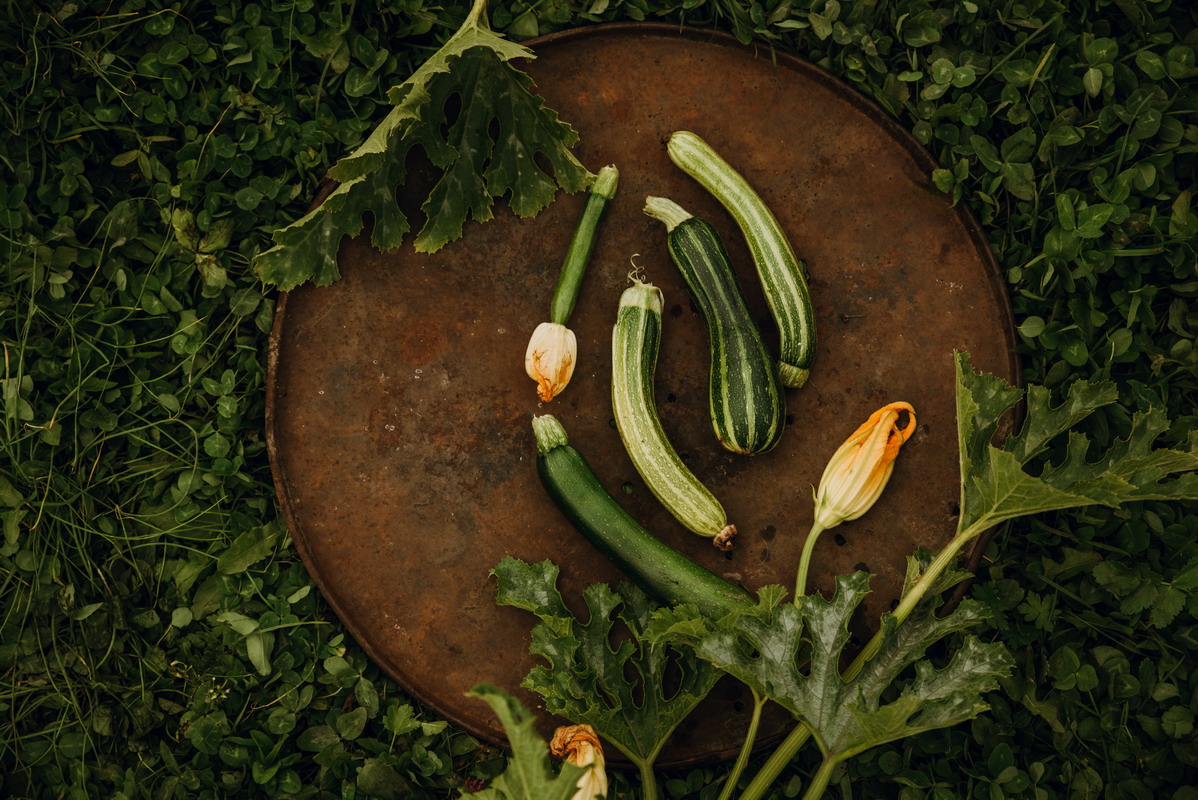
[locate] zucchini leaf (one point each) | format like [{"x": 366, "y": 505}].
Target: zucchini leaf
[
  {"x": 586, "y": 680},
  {"x": 768, "y": 646},
  {"x": 995, "y": 486},
  {"x": 482, "y": 127},
  {"x": 530, "y": 773}
]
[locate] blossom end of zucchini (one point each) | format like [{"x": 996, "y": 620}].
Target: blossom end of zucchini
[
  {"x": 725, "y": 540},
  {"x": 792, "y": 377}
]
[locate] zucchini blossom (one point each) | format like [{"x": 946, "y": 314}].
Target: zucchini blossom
[
  {"x": 550, "y": 358},
  {"x": 580, "y": 746},
  {"x": 859, "y": 470},
  {"x": 855, "y": 477}
]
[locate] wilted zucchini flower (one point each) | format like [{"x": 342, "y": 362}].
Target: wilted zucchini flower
[
  {"x": 856, "y": 475},
  {"x": 550, "y": 358},
  {"x": 580, "y": 746}
]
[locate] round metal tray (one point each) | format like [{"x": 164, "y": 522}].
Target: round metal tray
[{"x": 399, "y": 412}]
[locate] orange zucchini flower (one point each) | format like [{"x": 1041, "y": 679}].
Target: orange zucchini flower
[
  {"x": 859, "y": 470},
  {"x": 580, "y": 746}
]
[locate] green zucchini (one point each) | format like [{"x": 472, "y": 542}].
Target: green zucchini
[
  {"x": 659, "y": 569},
  {"x": 634, "y": 344},
  {"x": 745, "y": 397},
  {"x": 783, "y": 277},
  {"x": 565, "y": 293}
]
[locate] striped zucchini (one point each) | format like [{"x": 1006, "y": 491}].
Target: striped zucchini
[
  {"x": 745, "y": 398},
  {"x": 658, "y": 568},
  {"x": 635, "y": 340},
  {"x": 783, "y": 277}
]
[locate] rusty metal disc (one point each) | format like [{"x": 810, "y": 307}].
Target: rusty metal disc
[{"x": 399, "y": 412}]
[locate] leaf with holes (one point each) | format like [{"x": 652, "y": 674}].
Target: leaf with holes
[
  {"x": 486, "y": 150},
  {"x": 769, "y": 647},
  {"x": 587, "y": 678}
]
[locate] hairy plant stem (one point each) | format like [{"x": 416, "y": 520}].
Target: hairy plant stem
[
  {"x": 791, "y": 745},
  {"x": 648, "y": 780},
  {"x": 743, "y": 758},
  {"x": 805, "y": 560},
  {"x": 819, "y": 782}
]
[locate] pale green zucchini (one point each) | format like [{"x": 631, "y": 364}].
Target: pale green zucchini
[
  {"x": 635, "y": 341},
  {"x": 783, "y": 276}
]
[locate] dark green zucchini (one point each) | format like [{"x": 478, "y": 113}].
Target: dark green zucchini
[
  {"x": 745, "y": 396},
  {"x": 659, "y": 569}
]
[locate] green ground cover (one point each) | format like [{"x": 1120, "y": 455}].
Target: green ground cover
[{"x": 159, "y": 637}]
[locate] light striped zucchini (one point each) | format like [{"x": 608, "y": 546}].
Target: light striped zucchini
[
  {"x": 658, "y": 568},
  {"x": 783, "y": 277},
  {"x": 745, "y": 399},
  {"x": 635, "y": 341}
]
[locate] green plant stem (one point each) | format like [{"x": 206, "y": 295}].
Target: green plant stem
[
  {"x": 791, "y": 745},
  {"x": 648, "y": 779},
  {"x": 777, "y": 762},
  {"x": 805, "y": 560},
  {"x": 819, "y": 783},
  {"x": 574, "y": 265},
  {"x": 745, "y": 749},
  {"x": 478, "y": 14}
]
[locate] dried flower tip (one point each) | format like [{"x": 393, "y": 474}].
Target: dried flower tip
[
  {"x": 550, "y": 358},
  {"x": 580, "y": 746}
]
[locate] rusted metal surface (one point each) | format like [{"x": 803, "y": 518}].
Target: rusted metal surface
[{"x": 399, "y": 410}]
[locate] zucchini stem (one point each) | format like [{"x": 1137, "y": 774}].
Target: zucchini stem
[
  {"x": 666, "y": 211},
  {"x": 746, "y": 749},
  {"x": 819, "y": 782},
  {"x": 805, "y": 560},
  {"x": 574, "y": 266},
  {"x": 648, "y": 779},
  {"x": 549, "y": 434}
]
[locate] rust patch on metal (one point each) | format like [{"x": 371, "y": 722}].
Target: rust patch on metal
[{"x": 398, "y": 408}]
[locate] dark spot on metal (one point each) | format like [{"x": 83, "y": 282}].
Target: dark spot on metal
[
  {"x": 671, "y": 398},
  {"x": 729, "y": 555},
  {"x": 676, "y": 310},
  {"x": 790, "y": 419},
  {"x": 769, "y": 532},
  {"x": 954, "y": 510},
  {"x": 738, "y": 706},
  {"x": 861, "y": 566},
  {"x": 840, "y": 540}
]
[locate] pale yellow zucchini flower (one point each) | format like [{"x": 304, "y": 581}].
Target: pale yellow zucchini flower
[
  {"x": 550, "y": 358},
  {"x": 580, "y": 746}
]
